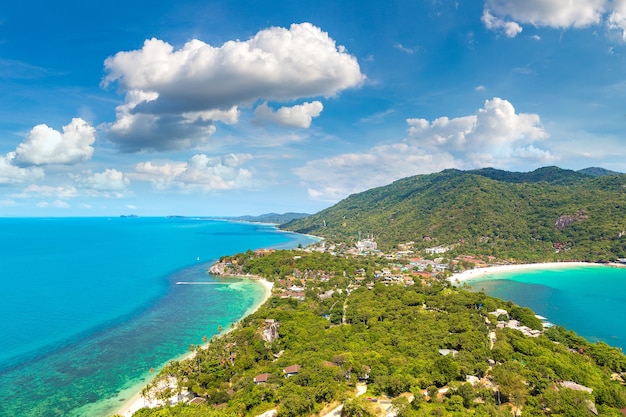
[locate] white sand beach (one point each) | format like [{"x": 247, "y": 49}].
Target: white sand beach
[
  {"x": 137, "y": 402},
  {"x": 482, "y": 272},
  {"x": 268, "y": 291}
]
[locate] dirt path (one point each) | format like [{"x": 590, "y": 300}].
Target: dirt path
[{"x": 336, "y": 412}]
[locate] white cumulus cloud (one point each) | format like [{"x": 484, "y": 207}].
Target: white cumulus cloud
[
  {"x": 300, "y": 115},
  {"x": 167, "y": 89},
  {"x": 108, "y": 183},
  {"x": 13, "y": 174},
  {"x": 165, "y": 170},
  {"x": 44, "y": 145},
  {"x": 201, "y": 172},
  {"x": 495, "y": 135},
  {"x": 492, "y": 133},
  {"x": 506, "y": 15}
]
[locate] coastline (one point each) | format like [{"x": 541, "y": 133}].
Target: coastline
[
  {"x": 568, "y": 301},
  {"x": 137, "y": 402},
  {"x": 471, "y": 274}
]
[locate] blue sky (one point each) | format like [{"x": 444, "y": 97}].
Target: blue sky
[{"x": 246, "y": 107}]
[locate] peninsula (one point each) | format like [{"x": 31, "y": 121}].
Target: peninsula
[
  {"x": 360, "y": 334},
  {"x": 368, "y": 321}
]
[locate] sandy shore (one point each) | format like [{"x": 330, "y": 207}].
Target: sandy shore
[
  {"x": 137, "y": 402},
  {"x": 482, "y": 272}
]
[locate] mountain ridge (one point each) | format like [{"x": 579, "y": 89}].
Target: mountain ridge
[
  {"x": 487, "y": 212},
  {"x": 274, "y": 218}
]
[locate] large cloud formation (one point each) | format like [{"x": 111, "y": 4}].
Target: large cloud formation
[
  {"x": 182, "y": 92},
  {"x": 506, "y": 15},
  {"x": 495, "y": 135}
]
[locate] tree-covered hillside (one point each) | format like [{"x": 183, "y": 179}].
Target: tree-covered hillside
[
  {"x": 597, "y": 172},
  {"x": 547, "y": 214},
  {"x": 421, "y": 349}
]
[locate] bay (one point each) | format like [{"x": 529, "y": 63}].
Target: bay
[
  {"x": 89, "y": 305},
  {"x": 587, "y": 299}
]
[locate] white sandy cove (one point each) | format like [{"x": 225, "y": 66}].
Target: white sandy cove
[
  {"x": 137, "y": 401},
  {"x": 481, "y": 272}
]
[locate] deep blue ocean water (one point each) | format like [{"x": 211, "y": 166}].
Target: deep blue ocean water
[
  {"x": 89, "y": 305},
  {"x": 587, "y": 299}
]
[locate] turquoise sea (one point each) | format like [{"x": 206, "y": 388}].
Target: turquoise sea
[
  {"x": 587, "y": 299},
  {"x": 89, "y": 305}
]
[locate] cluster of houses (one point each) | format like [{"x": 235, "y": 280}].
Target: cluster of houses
[
  {"x": 405, "y": 268},
  {"x": 294, "y": 286},
  {"x": 411, "y": 261}
]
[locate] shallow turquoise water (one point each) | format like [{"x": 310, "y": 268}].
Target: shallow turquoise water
[
  {"x": 88, "y": 306},
  {"x": 587, "y": 299}
]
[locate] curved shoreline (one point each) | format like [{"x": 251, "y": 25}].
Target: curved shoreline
[
  {"x": 136, "y": 401},
  {"x": 471, "y": 274}
]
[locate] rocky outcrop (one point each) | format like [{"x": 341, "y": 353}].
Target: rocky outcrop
[
  {"x": 217, "y": 268},
  {"x": 226, "y": 269},
  {"x": 568, "y": 219},
  {"x": 270, "y": 332}
]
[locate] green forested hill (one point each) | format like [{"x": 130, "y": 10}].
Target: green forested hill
[
  {"x": 420, "y": 341},
  {"x": 550, "y": 175},
  {"x": 597, "y": 172},
  {"x": 525, "y": 216}
]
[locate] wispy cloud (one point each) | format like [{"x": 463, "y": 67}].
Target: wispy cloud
[
  {"x": 403, "y": 48},
  {"x": 13, "y": 69},
  {"x": 378, "y": 117}
]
